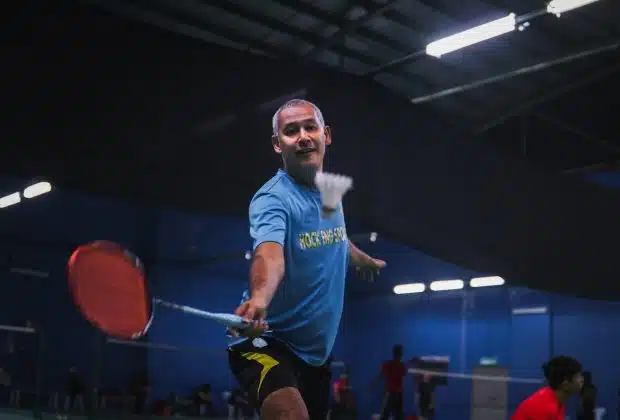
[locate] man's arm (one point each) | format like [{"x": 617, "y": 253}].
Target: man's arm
[
  {"x": 266, "y": 272},
  {"x": 377, "y": 379},
  {"x": 357, "y": 257},
  {"x": 268, "y": 230}
]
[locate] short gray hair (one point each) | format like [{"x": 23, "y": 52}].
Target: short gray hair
[{"x": 289, "y": 104}]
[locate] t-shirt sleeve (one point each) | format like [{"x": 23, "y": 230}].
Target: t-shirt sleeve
[{"x": 267, "y": 219}]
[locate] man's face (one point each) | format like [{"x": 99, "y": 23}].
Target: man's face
[
  {"x": 574, "y": 385},
  {"x": 301, "y": 139}
]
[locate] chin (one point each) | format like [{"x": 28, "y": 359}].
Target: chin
[{"x": 310, "y": 164}]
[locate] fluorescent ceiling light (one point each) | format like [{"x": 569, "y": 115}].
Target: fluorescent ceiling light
[
  {"x": 405, "y": 289},
  {"x": 486, "y": 281},
  {"x": 530, "y": 311},
  {"x": 9, "y": 200},
  {"x": 560, "y": 6},
  {"x": 37, "y": 189},
  {"x": 472, "y": 36},
  {"x": 442, "y": 285}
]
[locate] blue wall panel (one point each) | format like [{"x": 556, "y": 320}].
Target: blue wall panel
[{"x": 39, "y": 234}]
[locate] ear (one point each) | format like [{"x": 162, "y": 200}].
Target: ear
[
  {"x": 328, "y": 135},
  {"x": 275, "y": 142}
]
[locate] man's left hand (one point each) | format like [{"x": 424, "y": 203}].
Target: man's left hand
[{"x": 369, "y": 269}]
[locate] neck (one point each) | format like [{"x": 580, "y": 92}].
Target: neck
[
  {"x": 561, "y": 396},
  {"x": 303, "y": 176}
]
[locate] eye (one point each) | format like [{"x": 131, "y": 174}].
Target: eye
[{"x": 289, "y": 131}]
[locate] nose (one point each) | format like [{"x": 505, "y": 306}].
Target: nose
[
  {"x": 304, "y": 135},
  {"x": 304, "y": 139}
]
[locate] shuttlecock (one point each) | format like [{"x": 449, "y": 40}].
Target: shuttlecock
[{"x": 332, "y": 187}]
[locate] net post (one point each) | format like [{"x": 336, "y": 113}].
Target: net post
[
  {"x": 38, "y": 406},
  {"x": 99, "y": 341}
]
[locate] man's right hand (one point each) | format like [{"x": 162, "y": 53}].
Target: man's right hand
[{"x": 253, "y": 311}]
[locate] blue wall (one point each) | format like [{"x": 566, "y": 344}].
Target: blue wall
[{"x": 40, "y": 234}]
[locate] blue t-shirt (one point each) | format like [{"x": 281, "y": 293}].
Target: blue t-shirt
[{"x": 306, "y": 309}]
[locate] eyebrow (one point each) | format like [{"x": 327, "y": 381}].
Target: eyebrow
[{"x": 307, "y": 120}]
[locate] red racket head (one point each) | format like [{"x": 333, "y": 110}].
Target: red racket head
[{"x": 109, "y": 288}]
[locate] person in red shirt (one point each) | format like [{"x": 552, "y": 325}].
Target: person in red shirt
[
  {"x": 344, "y": 402},
  {"x": 563, "y": 375},
  {"x": 393, "y": 372}
]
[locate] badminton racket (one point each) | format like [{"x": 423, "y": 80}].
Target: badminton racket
[{"x": 109, "y": 287}]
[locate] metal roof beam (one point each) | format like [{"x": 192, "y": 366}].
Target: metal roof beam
[
  {"x": 578, "y": 132},
  {"x": 533, "y": 68},
  {"x": 183, "y": 24},
  {"x": 288, "y": 29},
  {"x": 349, "y": 27},
  {"x": 543, "y": 97}
]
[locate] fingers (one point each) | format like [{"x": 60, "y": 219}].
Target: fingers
[{"x": 255, "y": 319}]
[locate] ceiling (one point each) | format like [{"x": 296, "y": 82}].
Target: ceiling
[{"x": 541, "y": 93}]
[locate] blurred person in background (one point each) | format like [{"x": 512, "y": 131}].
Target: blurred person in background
[
  {"x": 587, "y": 399},
  {"x": 425, "y": 398},
  {"x": 344, "y": 400},
  {"x": 203, "y": 399},
  {"x": 564, "y": 379},
  {"x": 242, "y": 405},
  {"x": 75, "y": 391},
  {"x": 393, "y": 373},
  {"x": 139, "y": 390}
]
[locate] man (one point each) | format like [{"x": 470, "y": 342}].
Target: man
[
  {"x": 296, "y": 278},
  {"x": 393, "y": 372},
  {"x": 587, "y": 399},
  {"x": 563, "y": 375},
  {"x": 426, "y": 406}
]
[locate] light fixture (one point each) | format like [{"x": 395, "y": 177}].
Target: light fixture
[
  {"x": 248, "y": 255},
  {"x": 443, "y": 285},
  {"x": 373, "y": 236},
  {"x": 37, "y": 189},
  {"x": 9, "y": 200},
  {"x": 472, "y": 36},
  {"x": 486, "y": 281},
  {"x": 409, "y": 288},
  {"x": 534, "y": 310},
  {"x": 557, "y": 7}
]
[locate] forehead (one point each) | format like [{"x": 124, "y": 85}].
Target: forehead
[{"x": 296, "y": 113}]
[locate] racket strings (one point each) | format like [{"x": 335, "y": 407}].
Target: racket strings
[{"x": 109, "y": 289}]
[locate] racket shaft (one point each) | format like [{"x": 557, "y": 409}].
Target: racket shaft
[{"x": 233, "y": 321}]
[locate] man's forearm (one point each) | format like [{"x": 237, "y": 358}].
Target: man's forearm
[
  {"x": 357, "y": 257},
  {"x": 265, "y": 276}
]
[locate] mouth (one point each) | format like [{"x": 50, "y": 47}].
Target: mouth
[{"x": 305, "y": 152}]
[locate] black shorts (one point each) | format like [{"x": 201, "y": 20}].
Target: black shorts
[{"x": 261, "y": 370}]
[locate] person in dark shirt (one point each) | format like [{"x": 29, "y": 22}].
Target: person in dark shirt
[
  {"x": 75, "y": 390},
  {"x": 587, "y": 399},
  {"x": 426, "y": 405},
  {"x": 203, "y": 399},
  {"x": 393, "y": 372},
  {"x": 138, "y": 389}
]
